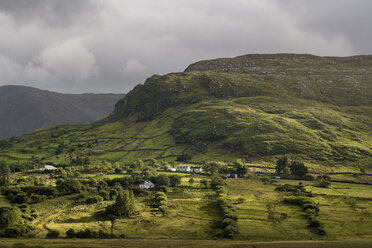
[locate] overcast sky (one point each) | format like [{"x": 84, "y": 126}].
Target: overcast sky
[{"x": 112, "y": 45}]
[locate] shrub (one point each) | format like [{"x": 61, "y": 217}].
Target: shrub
[
  {"x": 104, "y": 235},
  {"x": 70, "y": 233},
  {"x": 163, "y": 209},
  {"x": 163, "y": 203},
  {"x": 84, "y": 234},
  {"x": 160, "y": 199},
  {"x": 310, "y": 206},
  {"x": 323, "y": 183},
  {"x": 163, "y": 189},
  {"x": 94, "y": 199},
  {"x": 227, "y": 222},
  {"x": 37, "y": 198},
  {"x": 314, "y": 222},
  {"x": 113, "y": 194},
  {"x": 230, "y": 232},
  {"x": 53, "y": 234},
  {"x": 12, "y": 232},
  {"x": 204, "y": 182},
  {"x": 104, "y": 194}
]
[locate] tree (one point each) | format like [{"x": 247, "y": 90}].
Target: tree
[
  {"x": 191, "y": 181},
  {"x": 174, "y": 180},
  {"x": 281, "y": 164},
  {"x": 240, "y": 168},
  {"x": 10, "y": 216},
  {"x": 298, "y": 169},
  {"x": 217, "y": 181},
  {"x": 204, "y": 182},
  {"x": 123, "y": 206},
  {"x": 70, "y": 233},
  {"x": 152, "y": 162},
  {"x": 162, "y": 179},
  {"x": 4, "y": 174},
  {"x": 214, "y": 167},
  {"x": 69, "y": 186}
]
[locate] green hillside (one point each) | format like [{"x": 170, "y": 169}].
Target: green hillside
[{"x": 256, "y": 107}]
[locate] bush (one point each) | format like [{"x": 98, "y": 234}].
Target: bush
[
  {"x": 163, "y": 189},
  {"x": 70, "y": 233},
  {"x": 113, "y": 194},
  {"x": 104, "y": 235},
  {"x": 160, "y": 199},
  {"x": 314, "y": 222},
  {"x": 37, "y": 198},
  {"x": 310, "y": 206},
  {"x": 323, "y": 183},
  {"x": 94, "y": 199},
  {"x": 12, "y": 232},
  {"x": 52, "y": 234},
  {"x": 230, "y": 232},
  {"x": 227, "y": 222},
  {"x": 163, "y": 209},
  {"x": 104, "y": 194},
  {"x": 84, "y": 234}
]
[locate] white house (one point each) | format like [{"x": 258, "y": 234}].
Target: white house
[
  {"x": 48, "y": 168},
  {"x": 184, "y": 168},
  {"x": 172, "y": 169},
  {"x": 146, "y": 185},
  {"x": 196, "y": 169}
]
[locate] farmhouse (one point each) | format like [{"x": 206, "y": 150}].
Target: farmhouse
[
  {"x": 184, "y": 168},
  {"x": 146, "y": 185},
  {"x": 48, "y": 168},
  {"x": 196, "y": 169}
]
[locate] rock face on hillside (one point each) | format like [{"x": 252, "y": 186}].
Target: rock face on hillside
[{"x": 25, "y": 109}]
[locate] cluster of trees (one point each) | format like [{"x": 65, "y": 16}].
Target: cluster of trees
[
  {"x": 323, "y": 181},
  {"x": 123, "y": 206},
  {"x": 228, "y": 211},
  {"x": 296, "y": 189},
  {"x": 88, "y": 234},
  {"x": 311, "y": 211},
  {"x": 29, "y": 194},
  {"x": 295, "y": 169},
  {"x": 4, "y": 174},
  {"x": 15, "y": 220},
  {"x": 238, "y": 167},
  {"x": 161, "y": 202}
]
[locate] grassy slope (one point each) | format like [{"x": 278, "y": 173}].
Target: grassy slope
[{"x": 257, "y": 107}]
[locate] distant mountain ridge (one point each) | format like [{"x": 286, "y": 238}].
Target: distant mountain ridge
[{"x": 25, "y": 109}]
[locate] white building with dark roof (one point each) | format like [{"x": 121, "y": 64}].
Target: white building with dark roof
[{"x": 146, "y": 185}]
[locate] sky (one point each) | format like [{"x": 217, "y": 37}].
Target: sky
[{"x": 109, "y": 46}]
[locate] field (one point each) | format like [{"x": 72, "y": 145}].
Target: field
[
  {"x": 345, "y": 210},
  {"x": 93, "y": 243}
]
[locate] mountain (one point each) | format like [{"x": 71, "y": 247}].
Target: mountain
[
  {"x": 25, "y": 109},
  {"x": 257, "y": 107}
]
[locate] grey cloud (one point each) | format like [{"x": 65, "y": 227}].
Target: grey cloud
[
  {"x": 112, "y": 45},
  {"x": 57, "y": 13},
  {"x": 343, "y": 18}
]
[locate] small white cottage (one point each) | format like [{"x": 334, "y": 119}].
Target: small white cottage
[
  {"x": 146, "y": 185},
  {"x": 196, "y": 169},
  {"x": 48, "y": 168},
  {"x": 183, "y": 168}
]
